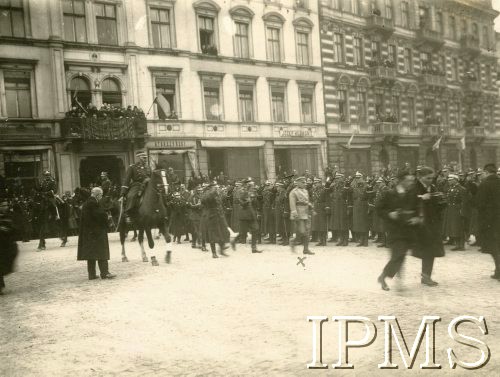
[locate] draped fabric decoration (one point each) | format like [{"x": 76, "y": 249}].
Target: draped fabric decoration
[
  {"x": 191, "y": 153},
  {"x": 104, "y": 129}
]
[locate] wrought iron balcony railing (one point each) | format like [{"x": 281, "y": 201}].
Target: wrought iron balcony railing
[
  {"x": 386, "y": 128},
  {"x": 103, "y": 129}
]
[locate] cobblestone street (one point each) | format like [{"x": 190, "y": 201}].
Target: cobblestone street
[{"x": 241, "y": 315}]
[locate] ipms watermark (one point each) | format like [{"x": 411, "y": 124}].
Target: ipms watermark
[{"x": 393, "y": 336}]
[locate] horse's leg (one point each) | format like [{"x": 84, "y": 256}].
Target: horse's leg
[
  {"x": 135, "y": 235},
  {"x": 166, "y": 235},
  {"x": 123, "y": 236},
  {"x": 141, "y": 244}
]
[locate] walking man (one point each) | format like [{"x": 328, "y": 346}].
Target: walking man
[{"x": 93, "y": 242}]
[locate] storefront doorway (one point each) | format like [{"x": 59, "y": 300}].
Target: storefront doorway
[
  {"x": 357, "y": 160},
  {"x": 92, "y": 166},
  {"x": 288, "y": 160},
  {"x": 235, "y": 163},
  {"x": 174, "y": 161}
]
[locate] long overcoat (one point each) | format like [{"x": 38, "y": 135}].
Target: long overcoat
[
  {"x": 8, "y": 246},
  {"x": 455, "y": 211},
  {"x": 488, "y": 205},
  {"x": 213, "y": 221},
  {"x": 360, "y": 208},
  {"x": 93, "y": 238},
  {"x": 429, "y": 242},
  {"x": 341, "y": 199},
  {"x": 321, "y": 203}
]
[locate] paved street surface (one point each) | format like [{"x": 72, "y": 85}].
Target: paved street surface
[{"x": 241, "y": 315}]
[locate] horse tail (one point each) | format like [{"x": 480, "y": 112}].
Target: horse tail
[{"x": 151, "y": 242}]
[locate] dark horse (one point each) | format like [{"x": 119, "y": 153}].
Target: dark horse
[{"x": 152, "y": 213}]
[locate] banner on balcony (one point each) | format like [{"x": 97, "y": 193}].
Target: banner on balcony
[{"x": 104, "y": 129}]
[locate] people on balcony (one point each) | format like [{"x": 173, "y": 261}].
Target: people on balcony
[
  {"x": 388, "y": 117},
  {"x": 106, "y": 111}
]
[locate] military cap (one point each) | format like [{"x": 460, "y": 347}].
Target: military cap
[
  {"x": 279, "y": 183},
  {"x": 379, "y": 180},
  {"x": 247, "y": 180},
  {"x": 317, "y": 180},
  {"x": 300, "y": 179},
  {"x": 452, "y": 176},
  {"x": 358, "y": 174},
  {"x": 268, "y": 182},
  {"x": 141, "y": 153},
  {"x": 237, "y": 183},
  {"x": 46, "y": 172},
  {"x": 104, "y": 173},
  {"x": 290, "y": 176},
  {"x": 339, "y": 175}
]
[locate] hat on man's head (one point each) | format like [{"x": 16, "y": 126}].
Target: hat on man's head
[
  {"x": 237, "y": 183},
  {"x": 141, "y": 154},
  {"x": 358, "y": 174},
  {"x": 379, "y": 180},
  {"x": 104, "y": 173},
  {"x": 317, "y": 180},
  {"x": 279, "y": 183},
  {"x": 290, "y": 176},
  {"x": 339, "y": 175},
  {"x": 268, "y": 182},
  {"x": 300, "y": 179},
  {"x": 46, "y": 172},
  {"x": 452, "y": 176},
  {"x": 247, "y": 180}
]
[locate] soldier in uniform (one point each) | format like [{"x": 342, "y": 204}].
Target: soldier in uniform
[
  {"x": 300, "y": 214},
  {"x": 453, "y": 217},
  {"x": 235, "y": 217},
  {"x": 248, "y": 215},
  {"x": 341, "y": 201},
  {"x": 279, "y": 213},
  {"x": 194, "y": 212},
  {"x": 377, "y": 222},
  {"x": 268, "y": 218},
  {"x": 213, "y": 223},
  {"x": 360, "y": 196},
  {"x": 48, "y": 206},
  {"x": 321, "y": 209},
  {"x": 136, "y": 177}
]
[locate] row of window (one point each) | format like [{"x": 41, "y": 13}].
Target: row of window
[
  {"x": 424, "y": 18},
  {"x": 427, "y": 59},
  {"x": 162, "y": 28},
  {"x": 384, "y": 106}
]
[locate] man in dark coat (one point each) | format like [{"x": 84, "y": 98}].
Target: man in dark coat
[
  {"x": 341, "y": 201},
  {"x": 248, "y": 214},
  {"x": 454, "y": 213},
  {"x": 399, "y": 209},
  {"x": 488, "y": 204},
  {"x": 213, "y": 221},
  {"x": 48, "y": 207},
  {"x": 321, "y": 203},
  {"x": 429, "y": 243},
  {"x": 133, "y": 184},
  {"x": 8, "y": 246},
  {"x": 360, "y": 220},
  {"x": 93, "y": 242}
]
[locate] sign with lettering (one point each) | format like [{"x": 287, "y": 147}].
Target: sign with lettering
[
  {"x": 172, "y": 144},
  {"x": 296, "y": 133}
]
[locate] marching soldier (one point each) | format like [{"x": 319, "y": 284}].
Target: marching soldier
[
  {"x": 248, "y": 215},
  {"x": 195, "y": 209},
  {"x": 268, "y": 218},
  {"x": 235, "y": 218},
  {"x": 136, "y": 177},
  {"x": 48, "y": 206},
  {"x": 279, "y": 213},
  {"x": 453, "y": 218},
  {"x": 300, "y": 214}
]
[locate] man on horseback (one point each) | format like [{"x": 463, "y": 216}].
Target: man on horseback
[{"x": 137, "y": 176}]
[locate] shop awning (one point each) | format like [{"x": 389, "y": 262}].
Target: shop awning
[
  {"x": 171, "y": 151},
  {"x": 26, "y": 148},
  {"x": 232, "y": 143},
  {"x": 297, "y": 142}
]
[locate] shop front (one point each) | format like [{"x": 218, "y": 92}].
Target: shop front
[
  {"x": 299, "y": 157},
  {"x": 180, "y": 155}
]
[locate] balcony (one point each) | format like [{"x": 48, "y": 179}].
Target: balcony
[
  {"x": 106, "y": 129},
  {"x": 475, "y": 131},
  {"x": 470, "y": 45},
  {"x": 429, "y": 39},
  {"x": 381, "y": 25},
  {"x": 384, "y": 75},
  {"x": 15, "y": 129},
  {"x": 386, "y": 128},
  {"x": 209, "y": 50},
  {"x": 433, "y": 81},
  {"x": 472, "y": 87},
  {"x": 434, "y": 130}
]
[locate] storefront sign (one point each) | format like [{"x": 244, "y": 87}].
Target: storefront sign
[
  {"x": 296, "y": 133},
  {"x": 172, "y": 144}
]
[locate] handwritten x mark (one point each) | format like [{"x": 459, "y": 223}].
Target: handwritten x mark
[{"x": 301, "y": 261}]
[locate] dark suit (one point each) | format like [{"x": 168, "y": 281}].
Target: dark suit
[
  {"x": 93, "y": 242},
  {"x": 400, "y": 234},
  {"x": 488, "y": 204}
]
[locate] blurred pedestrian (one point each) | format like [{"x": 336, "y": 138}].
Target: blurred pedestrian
[{"x": 8, "y": 245}]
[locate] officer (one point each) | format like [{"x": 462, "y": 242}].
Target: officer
[
  {"x": 136, "y": 177},
  {"x": 360, "y": 223},
  {"x": 48, "y": 206},
  {"x": 105, "y": 183},
  {"x": 453, "y": 219},
  {"x": 341, "y": 202},
  {"x": 300, "y": 214},
  {"x": 319, "y": 223}
]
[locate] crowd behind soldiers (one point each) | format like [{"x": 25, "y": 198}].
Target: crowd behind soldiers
[
  {"x": 105, "y": 111},
  {"x": 343, "y": 207}
]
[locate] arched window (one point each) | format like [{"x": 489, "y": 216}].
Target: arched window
[
  {"x": 80, "y": 91},
  {"x": 111, "y": 93}
]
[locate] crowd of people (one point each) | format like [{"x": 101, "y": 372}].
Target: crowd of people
[
  {"x": 294, "y": 210},
  {"x": 105, "y": 111}
]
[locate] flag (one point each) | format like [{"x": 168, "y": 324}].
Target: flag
[
  {"x": 435, "y": 147},
  {"x": 350, "y": 141},
  {"x": 163, "y": 103},
  {"x": 75, "y": 99},
  {"x": 462, "y": 144}
]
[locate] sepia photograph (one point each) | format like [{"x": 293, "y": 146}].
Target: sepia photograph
[{"x": 249, "y": 188}]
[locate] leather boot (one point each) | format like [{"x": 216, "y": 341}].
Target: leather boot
[
  {"x": 305, "y": 242},
  {"x": 426, "y": 280},
  {"x": 214, "y": 252}
]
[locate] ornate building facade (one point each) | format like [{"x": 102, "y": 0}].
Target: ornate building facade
[
  {"x": 239, "y": 81},
  {"x": 402, "y": 77}
]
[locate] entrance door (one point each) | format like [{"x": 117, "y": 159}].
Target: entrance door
[
  {"x": 92, "y": 166},
  {"x": 216, "y": 162},
  {"x": 242, "y": 163},
  {"x": 357, "y": 160},
  {"x": 304, "y": 159},
  {"x": 174, "y": 161}
]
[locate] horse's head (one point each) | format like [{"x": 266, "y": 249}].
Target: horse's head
[{"x": 159, "y": 180}]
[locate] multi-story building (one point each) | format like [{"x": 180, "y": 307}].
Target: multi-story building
[
  {"x": 402, "y": 76},
  {"x": 239, "y": 81}
]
